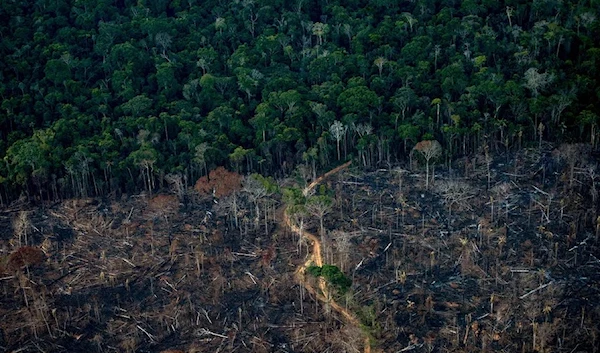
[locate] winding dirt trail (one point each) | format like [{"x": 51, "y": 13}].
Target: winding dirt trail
[{"x": 316, "y": 258}]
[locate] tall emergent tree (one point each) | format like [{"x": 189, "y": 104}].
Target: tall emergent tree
[
  {"x": 429, "y": 150},
  {"x": 338, "y": 130}
]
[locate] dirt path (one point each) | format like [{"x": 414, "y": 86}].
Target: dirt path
[{"x": 316, "y": 258}]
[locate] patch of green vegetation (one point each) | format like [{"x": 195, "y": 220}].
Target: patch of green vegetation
[
  {"x": 368, "y": 319},
  {"x": 333, "y": 275}
]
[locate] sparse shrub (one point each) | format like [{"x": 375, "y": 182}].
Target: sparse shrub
[{"x": 332, "y": 275}]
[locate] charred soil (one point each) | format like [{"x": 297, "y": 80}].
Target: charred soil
[{"x": 493, "y": 255}]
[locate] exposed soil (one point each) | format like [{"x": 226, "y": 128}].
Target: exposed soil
[
  {"x": 315, "y": 258},
  {"x": 149, "y": 273},
  {"x": 496, "y": 256},
  {"x": 467, "y": 267}
]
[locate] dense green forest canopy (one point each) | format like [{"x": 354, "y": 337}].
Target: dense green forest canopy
[{"x": 102, "y": 97}]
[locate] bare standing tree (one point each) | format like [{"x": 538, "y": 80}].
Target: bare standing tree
[
  {"x": 343, "y": 245},
  {"x": 455, "y": 193},
  {"x": 574, "y": 155},
  {"x": 199, "y": 158},
  {"x": 429, "y": 149},
  {"x": 319, "y": 206},
  {"x": 536, "y": 81},
  {"x": 501, "y": 194},
  {"x": 256, "y": 191},
  {"x": 559, "y": 103},
  {"x": 592, "y": 173},
  {"x": 338, "y": 130},
  {"x": 21, "y": 227},
  {"x": 259, "y": 189},
  {"x": 177, "y": 184}
]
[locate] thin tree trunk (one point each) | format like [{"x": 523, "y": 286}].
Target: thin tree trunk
[{"x": 427, "y": 176}]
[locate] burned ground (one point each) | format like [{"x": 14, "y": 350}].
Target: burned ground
[{"x": 498, "y": 258}]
